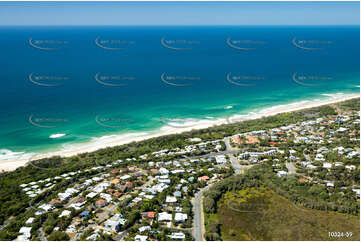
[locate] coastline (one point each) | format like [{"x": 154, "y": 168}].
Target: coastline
[{"x": 115, "y": 140}]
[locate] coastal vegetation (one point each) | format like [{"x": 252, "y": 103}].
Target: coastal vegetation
[
  {"x": 15, "y": 203},
  {"x": 258, "y": 205}
]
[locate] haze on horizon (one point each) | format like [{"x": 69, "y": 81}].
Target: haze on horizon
[{"x": 178, "y": 13}]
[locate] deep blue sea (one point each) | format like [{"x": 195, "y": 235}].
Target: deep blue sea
[{"x": 61, "y": 86}]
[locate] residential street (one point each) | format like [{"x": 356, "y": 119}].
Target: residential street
[{"x": 198, "y": 222}]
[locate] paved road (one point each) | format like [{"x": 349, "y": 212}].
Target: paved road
[
  {"x": 108, "y": 211},
  {"x": 234, "y": 161},
  {"x": 41, "y": 234},
  {"x": 121, "y": 235},
  {"x": 198, "y": 215},
  {"x": 291, "y": 168}
]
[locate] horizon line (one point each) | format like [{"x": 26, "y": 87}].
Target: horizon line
[{"x": 185, "y": 25}]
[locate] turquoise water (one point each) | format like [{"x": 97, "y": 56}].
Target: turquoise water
[{"x": 89, "y": 82}]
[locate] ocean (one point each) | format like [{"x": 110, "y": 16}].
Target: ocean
[{"x": 62, "y": 86}]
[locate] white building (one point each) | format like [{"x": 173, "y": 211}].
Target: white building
[
  {"x": 178, "y": 235},
  {"x": 220, "y": 159},
  {"x": 282, "y": 173},
  {"x": 180, "y": 217},
  {"x": 170, "y": 199},
  {"x": 164, "y": 216}
]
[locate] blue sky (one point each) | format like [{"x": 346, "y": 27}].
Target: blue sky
[{"x": 179, "y": 13}]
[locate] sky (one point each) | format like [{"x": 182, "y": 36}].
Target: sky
[{"x": 179, "y": 13}]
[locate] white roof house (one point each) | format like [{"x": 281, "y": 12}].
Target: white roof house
[
  {"x": 125, "y": 177},
  {"x": 140, "y": 238},
  {"x": 26, "y": 232},
  {"x": 30, "y": 220},
  {"x": 327, "y": 165},
  {"x": 282, "y": 173},
  {"x": 170, "y": 199},
  {"x": 350, "y": 167},
  {"x": 46, "y": 207},
  {"x": 180, "y": 217},
  {"x": 114, "y": 222},
  {"x": 163, "y": 171},
  {"x": 164, "y": 216},
  {"x": 65, "y": 213},
  {"x": 91, "y": 195},
  {"x": 145, "y": 228},
  {"x": 178, "y": 235},
  {"x": 220, "y": 159},
  {"x": 100, "y": 187}
]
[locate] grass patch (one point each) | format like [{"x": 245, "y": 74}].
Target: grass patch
[{"x": 260, "y": 214}]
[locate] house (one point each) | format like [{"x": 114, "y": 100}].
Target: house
[
  {"x": 117, "y": 194},
  {"x": 220, "y": 159},
  {"x": 114, "y": 172},
  {"x": 84, "y": 214},
  {"x": 25, "y": 232},
  {"x": 65, "y": 213},
  {"x": 203, "y": 178},
  {"x": 114, "y": 182},
  {"x": 177, "y": 194},
  {"x": 164, "y": 216},
  {"x": 163, "y": 171},
  {"x": 302, "y": 180},
  {"x": 30, "y": 220},
  {"x": 350, "y": 167},
  {"x": 67, "y": 194},
  {"x": 149, "y": 215},
  {"x": 145, "y": 228},
  {"x": 327, "y": 165},
  {"x": 46, "y": 207},
  {"x": 129, "y": 184},
  {"x": 133, "y": 168},
  {"x": 180, "y": 217},
  {"x": 140, "y": 238},
  {"x": 282, "y": 173},
  {"x": 106, "y": 197},
  {"x": 125, "y": 177},
  {"x": 178, "y": 235},
  {"x": 101, "y": 203},
  {"x": 154, "y": 171},
  {"x": 170, "y": 199},
  {"x": 115, "y": 223},
  {"x": 102, "y": 186},
  {"x": 91, "y": 195}
]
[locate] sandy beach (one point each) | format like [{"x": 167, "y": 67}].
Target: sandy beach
[{"x": 114, "y": 140}]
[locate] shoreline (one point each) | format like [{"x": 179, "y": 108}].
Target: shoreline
[{"x": 115, "y": 140}]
